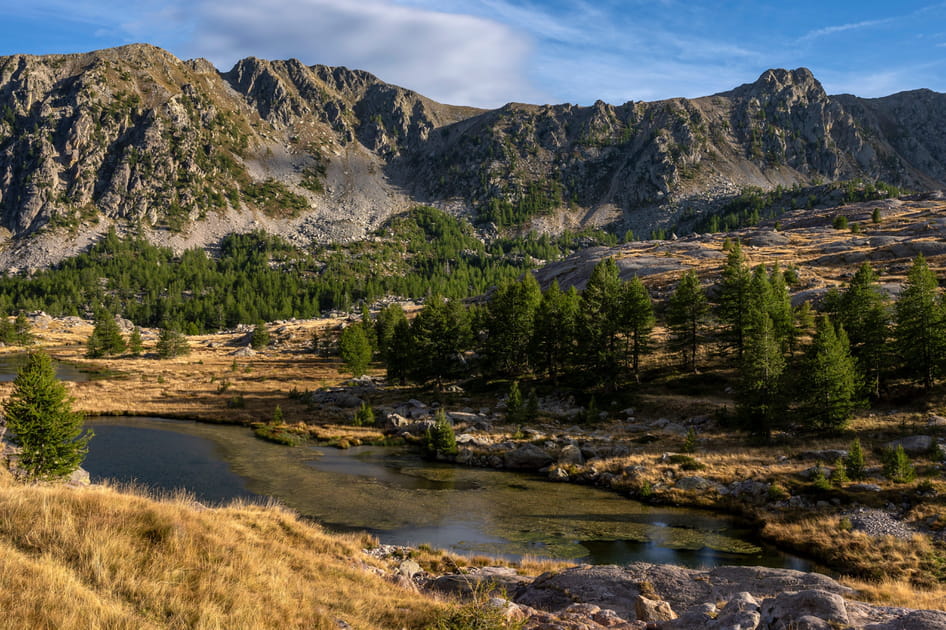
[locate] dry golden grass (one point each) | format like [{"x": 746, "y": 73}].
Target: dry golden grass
[
  {"x": 100, "y": 558},
  {"x": 914, "y": 561},
  {"x": 899, "y": 593}
]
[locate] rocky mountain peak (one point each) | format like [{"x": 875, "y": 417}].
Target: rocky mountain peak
[{"x": 135, "y": 135}]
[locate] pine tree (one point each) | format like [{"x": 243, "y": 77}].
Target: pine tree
[
  {"x": 510, "y": 320},
  {"x": 7, "y": 331},
  {"x": 637, "y": 321},
  {"x": 920, "y": 338},
  {"x": 387, "y": 322},
  {"x": 734, "y": 296},
  {"x": 259, "y": 339},
  {"x": 780, "y": 310},
  {"x": 441, "y": 439},
  {"x": 554, "y": 330},
  {"x": 398, "y": 353},
  {"x": 22, "y": 331},
  {"x": 39, "y": 415},
  {"x": 514, "y": 409},
  {"x": 760, "y": 400},
  {"x": 441, "y": 334},
  {"x": 171, "y": 343},
  {"x": 106, "y": 339},
  {"x": 686, "y": 312},
  {"x": 355, "y": 350},
  {"x": 829, "y": 381},
  {"x": 854, "y": 464},
  {"x": 135, "y": 344},
  {"x": 600, "y": 318},
  {"x": 864, "y": 312},
  {"x": 368, "y": 326}
]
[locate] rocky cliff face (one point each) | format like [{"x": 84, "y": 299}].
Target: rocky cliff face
[{"x": 135, "y": 136}]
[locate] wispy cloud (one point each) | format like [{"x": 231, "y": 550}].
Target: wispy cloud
[
  {"x": 450, "y": 57},
  {"x": 853, "y": 26}
]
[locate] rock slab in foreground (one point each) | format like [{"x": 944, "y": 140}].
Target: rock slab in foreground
[{"x": 664, "y": 597}]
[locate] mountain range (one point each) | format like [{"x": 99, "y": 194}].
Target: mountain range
[{"x": 135, "y": 137}]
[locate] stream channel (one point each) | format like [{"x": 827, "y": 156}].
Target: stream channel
[{"x": 402, "y": 499}]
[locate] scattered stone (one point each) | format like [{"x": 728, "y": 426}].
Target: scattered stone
[
  {"x": 570, "y": 455},
  {"x": 812, "y": 609},
  {"x": 913, "y": 444},
  {"x": 527, "y": 457},
  {"x": 651, "y": 610}
]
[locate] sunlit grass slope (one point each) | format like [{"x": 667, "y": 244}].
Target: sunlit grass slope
[{"x": 100, "y": 558}]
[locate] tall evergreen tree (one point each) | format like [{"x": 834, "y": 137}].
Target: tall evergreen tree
[
  {"x": 510, "y": 319},
  {"x": 171, "y": 343},
  {"x": 760, "y": 401},
  {"x": 106, "y": 339},
  {"x": 441, "y": 334},
  {"x": 259, "y": 338},
  {"x": 733, "y": 303},
  {"x": 686, "y": 314},
  {"x": 637, "y": 321},
  {"x": 920, "y": 330},
  {"x": 829, "y": 379},
  {"x": 554, "y": 330},
  {"x": 355, "y": 349},
  {"x": 864, "y": 311},
  {"x": 22, "y": 330},
  {"x": 398, "y": 351},
  {"x": 780, "y": 310},
  {"x": 40, "y": 417},
  {"x": 387, "y": 322},
  {"x": 600, "y": 345},
  {"x": 135, "y": 344}
]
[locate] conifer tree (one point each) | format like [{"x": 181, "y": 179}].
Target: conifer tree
[
  {"x": 387, "y": 322},
  {"x": 509, "y": 323},
  {"x": 259, "y": 339},
  {"x": 368, "y": 326},
  {"x": 21, "y": 330},
  {"x": 514, "y": 408},
  {"x": 171, "y": 343},
  {"x": 355, "y": 350},
  {"x": 760, "y": 402},
  {"x": 398, "y": 351},
  {"x": 734, "y": 296},
  {"x": 40, "y": 418},
  {"x": 637, "y": 321},
  {"x": 441, "y": 334},
  {"x": 829, "y": 379},
  {"x": 864, "y": 312},
  {"x": 135, "y": 344},
  {"x": 780, "y": 310},
  {"x": 554, "y": 330},
  {"x": 106, "y": 338},
  {"x": 7, "y": 331},
  {"x": 600, "y": 320},
  {"x": 920, "y": 338},
  {"x": 686, "y": 313}
]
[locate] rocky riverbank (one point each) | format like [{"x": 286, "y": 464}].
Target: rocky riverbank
[{"x": 663, "y": 597}]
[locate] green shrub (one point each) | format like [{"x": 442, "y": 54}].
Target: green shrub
[
  {"x": 441, "y": 440},
  {"x": 840, "y": 222},
  {"x": 689, "y": 444},
  {"x": 364, "y": 417},
  {"x": 819, "y": 480},
  {"x": 686, "y": 462},
  {"x": 897, "y": 466},
  {"x": 839, "y": 474},
  {"x": 854, "y": 464}
]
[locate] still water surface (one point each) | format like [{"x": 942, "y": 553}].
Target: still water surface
[
  {"x": 11, "y": 363},
  {"x": 394, "y": 494}
]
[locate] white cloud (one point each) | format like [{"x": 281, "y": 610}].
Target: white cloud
[
  {"x": 853, "y": 26},
  {"x": 453, "y": 58}
]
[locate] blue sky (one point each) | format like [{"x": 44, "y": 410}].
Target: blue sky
[{"x": 489, "y": 52}]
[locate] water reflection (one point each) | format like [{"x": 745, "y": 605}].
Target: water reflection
[
  {"x": 10, "y": 364},
  {"x": 404, "y": 500}
]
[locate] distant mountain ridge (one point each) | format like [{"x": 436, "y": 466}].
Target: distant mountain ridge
[{"x": 140, "y": 138}]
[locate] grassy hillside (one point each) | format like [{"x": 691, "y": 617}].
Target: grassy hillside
[{"x": 100, "y": 558}]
